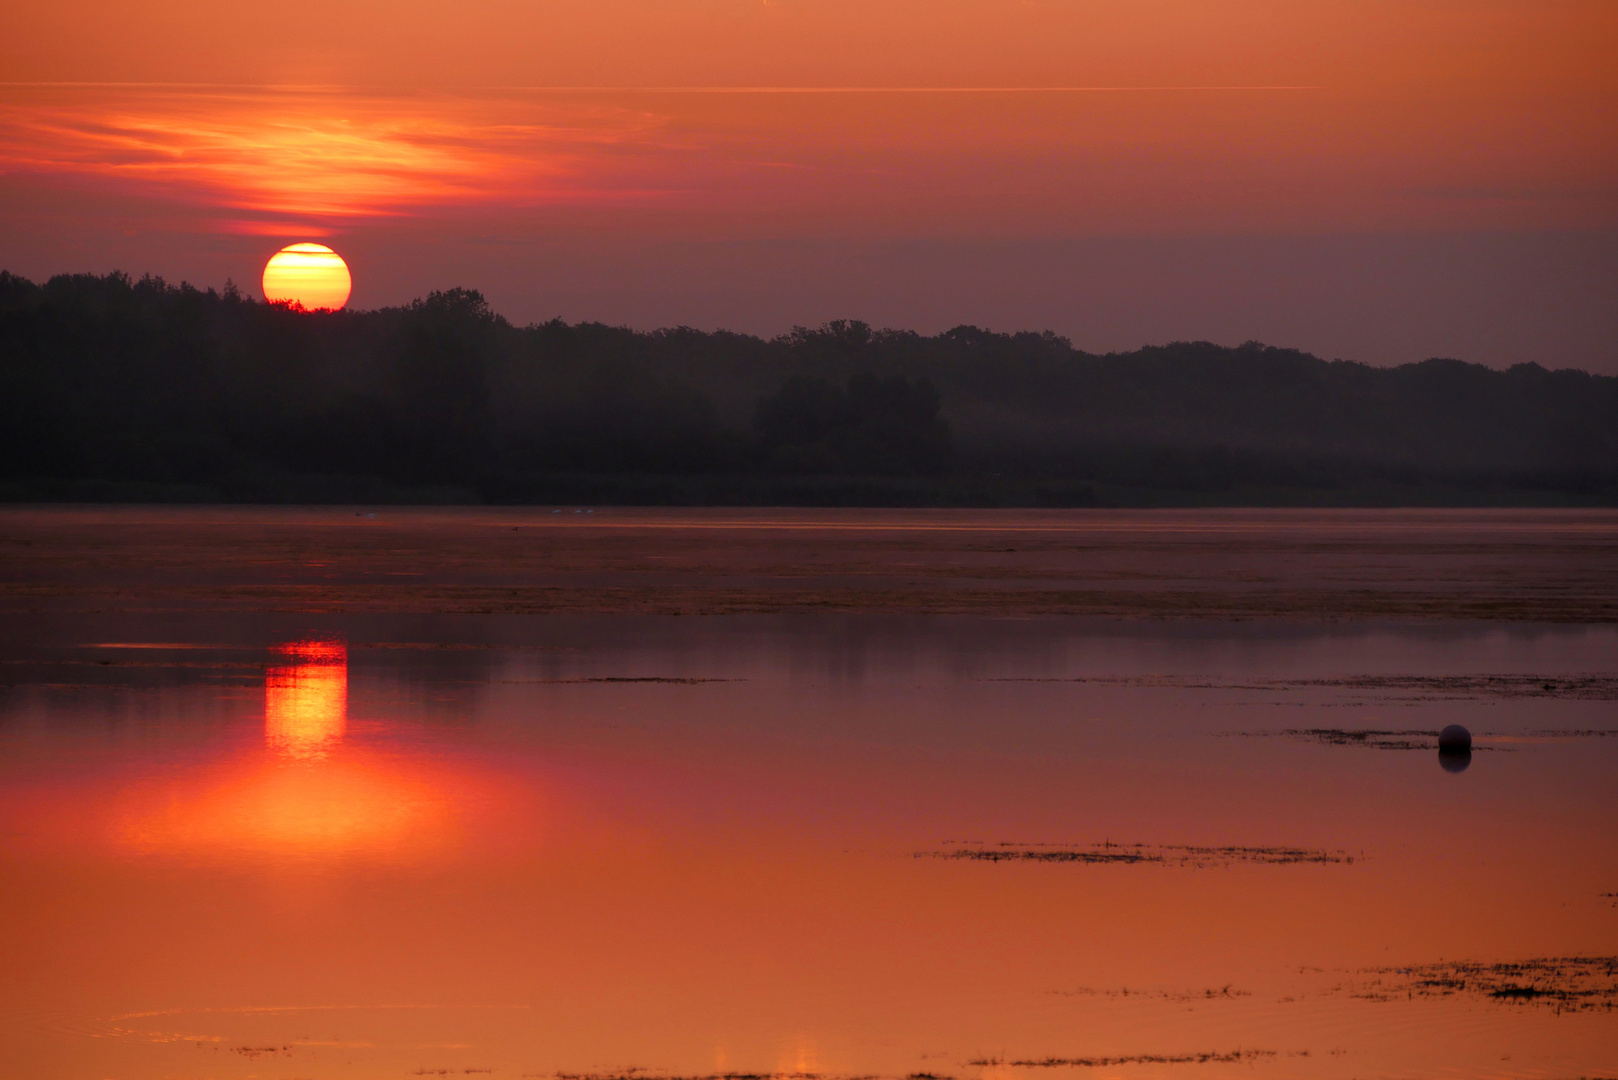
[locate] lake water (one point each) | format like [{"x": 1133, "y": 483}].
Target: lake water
[{"x": 287, "y": 845}]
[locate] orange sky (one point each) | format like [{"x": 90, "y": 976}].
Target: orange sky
[
  {"x": 1487, "y": 46},
  {"x": 1453, "y": 146}
]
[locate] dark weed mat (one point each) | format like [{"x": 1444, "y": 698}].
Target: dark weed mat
[
  {"x": 1412, "y": 738},
  {"x": 1209, "y": 1057},
  {"x": 636, "y": 1073},
  {"x": 1221, "y": 993},
  {"x": 464, "y": 646},
  {"x": 1564, "y": 983},
  {"x": 1593, "y": 687},
  {"x": 1369, "y": 738},
  {"x": 1183, "y": 855},
  {"x": 247, "y": 665},
  {"x": 676, "y": 680},
  {"x": 124, "y": 673}
]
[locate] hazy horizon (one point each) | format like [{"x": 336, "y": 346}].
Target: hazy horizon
[
  {"x": 1382, "y": 183},
  {"x": 1498, "y": 337}
]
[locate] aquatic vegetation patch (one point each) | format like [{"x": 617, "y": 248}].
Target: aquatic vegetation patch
[
  {"x": 1565, "y": 983},
  {"x": 244, "y": 665},
  {"x": 1207, "y": 1057},
  {"x": 1415, "y": 739},
  {"x": 1254, "y": 565},
  {"x": 637, "y": 1073},
  {"x": 674, "y": 679},
  {"x": 1586, "y": 687},
  {"x": 1378, "y": 738},
  {"x": 1369, "y": 738},
  {"x": 464, "y": 646},
  {"x": 1226, "y": 992},
  {"x": 1583, "y": 687},
  {"x": 1184, "y": 855}
]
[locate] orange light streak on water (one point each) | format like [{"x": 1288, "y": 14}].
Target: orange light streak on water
[
  {"x": 306, "y": 701},
  {"x": 312, "y": 796},
  {"x": 254, "y": 810}
]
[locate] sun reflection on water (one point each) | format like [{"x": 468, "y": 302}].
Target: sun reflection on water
[
  {"x": 309, "y": 792},
  {"x": 306, "y": 699}
]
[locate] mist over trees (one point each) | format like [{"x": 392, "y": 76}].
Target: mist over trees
[{"x": 113, "y": 388}]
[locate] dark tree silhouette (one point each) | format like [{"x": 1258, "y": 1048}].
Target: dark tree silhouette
[
  {"x": 115, "y": 388},
  {"x": 886, "y": 426}
]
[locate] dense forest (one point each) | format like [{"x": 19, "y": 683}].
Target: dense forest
[{"x": 112, "y": 388}]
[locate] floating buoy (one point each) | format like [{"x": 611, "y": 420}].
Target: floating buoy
[{"x": 1454, "y": 748}]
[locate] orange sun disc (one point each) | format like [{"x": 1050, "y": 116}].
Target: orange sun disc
[{"x": 312, "y": 275}]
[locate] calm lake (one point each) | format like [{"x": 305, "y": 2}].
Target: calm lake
[{"x": 298, "y": 845}]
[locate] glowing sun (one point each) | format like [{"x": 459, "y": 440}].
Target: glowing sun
[{"x": 312, "y": 275}]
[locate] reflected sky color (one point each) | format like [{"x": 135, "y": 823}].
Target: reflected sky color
[{"x": 509, "y": 858}]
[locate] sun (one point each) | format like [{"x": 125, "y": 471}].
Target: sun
[{"x": 311, "y": 275}]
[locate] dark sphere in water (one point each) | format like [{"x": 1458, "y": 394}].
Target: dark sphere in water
[
  {"x": 1455, "y": 739},
  {"x": 1454, "y": 760}
]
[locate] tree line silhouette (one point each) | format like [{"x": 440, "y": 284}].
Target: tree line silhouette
[{"x": 115, "y": 388}]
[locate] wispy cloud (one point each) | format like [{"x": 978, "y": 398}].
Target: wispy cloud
[{"x": 322, "y": 154}]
